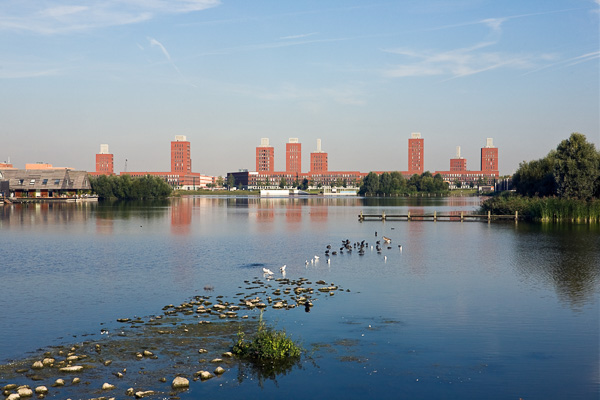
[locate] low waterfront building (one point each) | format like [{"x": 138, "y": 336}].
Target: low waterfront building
[{"x": 46, "y": 183}]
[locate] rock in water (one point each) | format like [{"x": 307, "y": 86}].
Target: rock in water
[
  {"x": 41, "y": 390},
  {"x": 219, "y": 371},
  {"x": 180, "y": 383}
]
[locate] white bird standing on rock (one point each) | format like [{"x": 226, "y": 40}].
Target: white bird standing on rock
[
  {"x": 282, "y": 269},
  {"x": 316, "y": 258},
  {"x": 267, "y": 271}
]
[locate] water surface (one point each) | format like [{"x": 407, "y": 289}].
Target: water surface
[{"x": 465, "y": 310}]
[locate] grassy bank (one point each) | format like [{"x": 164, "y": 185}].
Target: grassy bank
[{"x": 545, "y": 208}]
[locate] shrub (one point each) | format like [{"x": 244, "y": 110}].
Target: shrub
[{"x": 266, "y": 345}]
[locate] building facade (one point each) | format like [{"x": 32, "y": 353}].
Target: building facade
[
  {"x": 416, "y": 154},
  {"x": 458, "y": 164},
  {"x": 105, "y": 163},
  {"x": 293, "y": 156},
  {"x": 265, "y": 156},
  {"x": 181, "y": 159},
  {"x": 46, "y": 183},
  {"x": 318, "y": 160},
  {"x": 489, "y": 157}
]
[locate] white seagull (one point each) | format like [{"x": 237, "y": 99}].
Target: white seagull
[
  {"x": 267, "y": 271},
  {"x": 282, "y": 269},
  {"x": 316, "y": 258}
]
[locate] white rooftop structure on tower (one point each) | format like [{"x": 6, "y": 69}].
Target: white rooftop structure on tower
[
  {"x": 489, "y": 142},
  {"x": 457, "y": 151},
  {"x": 415, "y": 135},
  {"x": 319, "y": 146},
  {"x": 293, "y": 140},
  {"x": 104, "y": 149},
  {"x": 264, "y": 142},
  {"x": 180, "y": 138}
]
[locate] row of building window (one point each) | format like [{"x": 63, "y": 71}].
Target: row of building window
[{"x": 44, "y": 181}]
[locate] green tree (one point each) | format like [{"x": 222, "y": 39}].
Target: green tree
[
  {"x": 304, "y": 184},
  {"x": 576, "y": 168},
  {"x": 438, "y": 184},
  {"x": 536, "y": 178},
  {"x": 220, "y": 181},
  {"x": 125, "y": 187},
  {"x": 385, "y": 183},
  {"x": 370, "y": 184},
  {"x": 282, "y": 183},
  {"x": 230, "y": 181}
]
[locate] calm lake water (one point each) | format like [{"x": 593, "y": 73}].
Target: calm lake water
[{"x": 465, "y": 310}]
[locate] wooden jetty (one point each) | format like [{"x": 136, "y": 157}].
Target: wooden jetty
[{"x": 455, "y": 216}]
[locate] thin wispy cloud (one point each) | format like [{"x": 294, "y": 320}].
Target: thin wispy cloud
[
  {"x": 569, "y": 62},
  {"x": 467, "y": 61},
  {"x": 292, "y": 37},
  {"x": 64, "y": 16},
  {"x": 456, "y": 63},
  {"x": 156, "y": 43}
]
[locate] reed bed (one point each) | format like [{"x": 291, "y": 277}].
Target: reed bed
[{"x": 545, "y": 209}]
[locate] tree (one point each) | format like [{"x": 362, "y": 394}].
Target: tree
[
  {"x": 282, "y": 183},
  {"x": 536, "y": 178},
  {"x": 304, "y": 184},
  {"x": 230, "y": 181},
  {"x": 125, "y": 187},
  {"x": 370, "y": 184},
  {"x": 576, "y": 168},
  {"x": 220, "y": 181}
]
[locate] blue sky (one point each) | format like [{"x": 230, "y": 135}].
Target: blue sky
[{"x": 361, "y": 76}]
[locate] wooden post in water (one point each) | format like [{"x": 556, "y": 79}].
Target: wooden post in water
[
  {"x": 516, "y": 216},
  {"x": 489, "y": 216},
  {"x": 435, "y": 216},
  {"x": 361, "y": 217},
  {"x": 408, "y": 216},
  {"x": 383, "y": 216},
  {"x": 462, "y": 217}
]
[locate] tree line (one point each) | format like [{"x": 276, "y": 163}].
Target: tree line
[
  {"x": 394, "y": 183},
  {"x": 563, "y": 186},
  {"x": 571, "y": 171},
  {"x": 125, "y": 187}
]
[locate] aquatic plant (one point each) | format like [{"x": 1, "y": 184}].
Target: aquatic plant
[
  {"x": 544, "y": 209},
  {"x": 267, "y": 344}
]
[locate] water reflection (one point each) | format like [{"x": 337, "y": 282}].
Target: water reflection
[
  {"x": 565, "y": 256},
  {"x": 266, "y": 370},
  {"x": 45, "y": 213}
]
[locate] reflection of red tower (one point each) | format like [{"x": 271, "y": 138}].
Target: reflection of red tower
[
  {"x": 181, "y": 161},
  {"x": 104, "y": 161},
  {"x": 318, "y": 160},
  {"x": 265, "y": 157},
  {"x": 489, "y": 157},
  {"x": 416, "y": 150},
  {"x": 293, "y": 156},
  {"x": 181, "y": 216}
]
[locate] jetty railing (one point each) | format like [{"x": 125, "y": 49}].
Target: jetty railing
[{"x": 457, "y": 216}]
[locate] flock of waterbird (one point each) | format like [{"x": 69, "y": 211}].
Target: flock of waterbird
[{"x": 347, "y": 247}]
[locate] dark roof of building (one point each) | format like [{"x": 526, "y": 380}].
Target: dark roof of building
[{"x": 52, "y": 179}]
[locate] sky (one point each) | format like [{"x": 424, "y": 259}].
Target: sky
[{"x": 359, "y": 75}]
